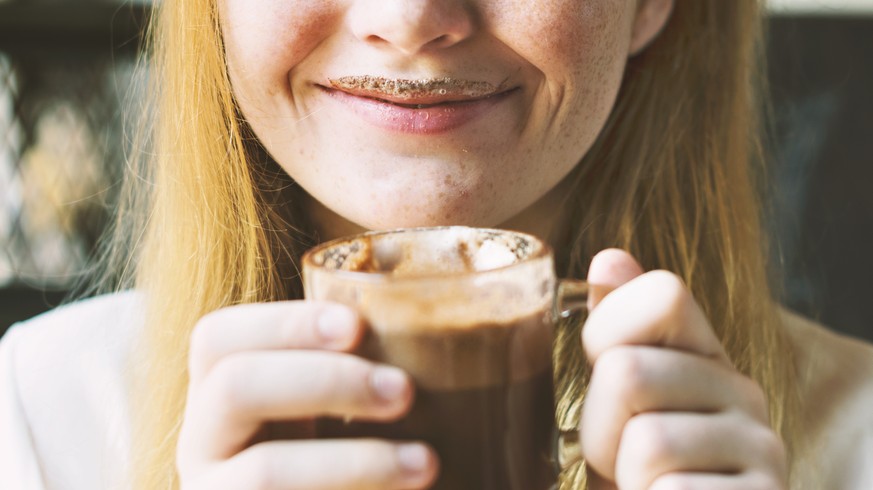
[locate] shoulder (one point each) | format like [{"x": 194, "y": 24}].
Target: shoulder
[
  {"x": 79, "y": 341},
  {"x": 836, "y": 387},
  {"x": 79, "y": 317},
  {"x": 103, "y": 324},
  {"x": 96, "y": 330},
  {"x": 829, "y": 362},
  {"x": 70, "y": 373}
]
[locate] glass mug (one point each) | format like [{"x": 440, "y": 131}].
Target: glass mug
[{"x": 469, "y": 313}]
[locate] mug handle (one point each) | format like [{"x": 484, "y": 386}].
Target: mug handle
[{"x": 571, "y": 299}]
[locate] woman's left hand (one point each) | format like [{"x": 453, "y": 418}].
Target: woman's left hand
[{"x": 665, "y": 407}]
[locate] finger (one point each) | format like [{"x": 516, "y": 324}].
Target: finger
[
  {"x": 627, "y": 381},
  {"x": 704, "y": 481},
  {"x": 653, "y": 309},
  {"x": 271, "y": 326},
  {"x": 245, "y": 390},
  {"x": 610, "y": 269},
  {"x": 321, "y": 465},
  {"x": 729, "y": 443}
]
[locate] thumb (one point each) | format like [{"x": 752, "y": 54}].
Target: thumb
[{"x": 610, "y": 269}]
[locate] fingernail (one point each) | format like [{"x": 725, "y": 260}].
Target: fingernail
[
  {"x": 413, "y": 458},
  {"x": 336, "y": 324},
  {"x": 389, "y": 383}
]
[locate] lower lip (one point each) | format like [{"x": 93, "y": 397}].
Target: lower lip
[{"x": 428, "y": 120}]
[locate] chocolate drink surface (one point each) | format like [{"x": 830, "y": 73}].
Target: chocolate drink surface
[{"x": 483, "y": 401}]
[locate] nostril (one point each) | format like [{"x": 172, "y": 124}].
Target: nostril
[
  {"x": 440, "y": 40},
  {"x": 375, "y": 39},
  {"x": 409, "y": 27}
]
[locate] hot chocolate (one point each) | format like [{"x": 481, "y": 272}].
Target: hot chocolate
[
  {"x": 483, "y": 400},
  {"x": 467, "y": 313}
]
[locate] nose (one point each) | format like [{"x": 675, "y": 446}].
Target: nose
[{"x": 411, "y": 26}]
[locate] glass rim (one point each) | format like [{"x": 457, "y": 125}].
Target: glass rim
[{"x": 544, "y": 251}]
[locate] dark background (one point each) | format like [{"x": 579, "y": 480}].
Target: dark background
[
  {"x": 821, "y": 75},
  {"x": 68, "y": 56}
]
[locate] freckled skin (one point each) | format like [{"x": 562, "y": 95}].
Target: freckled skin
[{"x": 565, "y": 56}]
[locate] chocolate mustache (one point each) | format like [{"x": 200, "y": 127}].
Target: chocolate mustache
[{"x": 411, "y": 89}]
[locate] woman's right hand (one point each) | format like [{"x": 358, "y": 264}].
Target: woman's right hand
[{"x": 290, "y": 361}]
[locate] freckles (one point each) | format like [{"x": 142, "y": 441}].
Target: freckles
[
  {"x": 304, "y": 28},
  {"x": 275, "y": 36},
  {"x": 562, "y": 30}
]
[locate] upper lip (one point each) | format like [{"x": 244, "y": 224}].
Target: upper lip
[{"x": 414, "y": 92}]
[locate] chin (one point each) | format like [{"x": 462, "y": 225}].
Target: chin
[
  {"x": 411, "y": 215},
  {"x": 419, "y": 221}
]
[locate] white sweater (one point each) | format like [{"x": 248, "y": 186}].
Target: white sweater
[
  {"x": 64, "y": 418},
  {"x": 63, "y": 406}
]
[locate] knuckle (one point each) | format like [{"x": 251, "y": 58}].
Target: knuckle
[
  {"x": 375, "y": 464},
  {"x": 764, "y": 481},
  {"x": 181, "y": 461},
  {"x": 360, "y": 374},
  {"x": 756, "y": 399},
  {"x": 331, "y": 378},
  {"x": 184, "y": 457},
  {"x": 259, "y": 465},
  {"x": 292, "y": 332},
  {"x": 205, "y": 339},
  {"x": 672, "y": 482},
  {"x": 671, "y": 291},
  {"x": 344, "y": 379},
  {"x": 625, "y": 370},
  {"x": 648, "y": 438},
  {"x": 202, "y": 334},
  {"x": 668, "y": 282},
  {"x": 771, "y": 446},
  {"x": 298, "y": 328},
  {"x": 229, "y": 381}
]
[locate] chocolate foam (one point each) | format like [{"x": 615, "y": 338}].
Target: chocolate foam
[
  {"x": 448, "y": 252},
  {"x": 435, "y": 299},
  {"x": 413, "y": 89}
]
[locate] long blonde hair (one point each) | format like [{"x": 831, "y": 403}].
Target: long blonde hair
[{"x": 672, "y": 179}]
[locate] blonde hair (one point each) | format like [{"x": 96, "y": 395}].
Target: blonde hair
[
  {"x": 671, "y": 179},
  {"x": 674, "y": 179}
]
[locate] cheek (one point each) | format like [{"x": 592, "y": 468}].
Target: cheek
[
  {"x": 567, "y": 40},
  {"x": 264, "y": 39},
  {"x": 579, "y": 49}
]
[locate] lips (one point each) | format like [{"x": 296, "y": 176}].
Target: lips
[{"x": 425, "y": 106}]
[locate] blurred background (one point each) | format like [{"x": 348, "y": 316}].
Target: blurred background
[{"x": 66, "y": 68}]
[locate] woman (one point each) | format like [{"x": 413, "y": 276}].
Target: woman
[{"x": 598, "y": 124}]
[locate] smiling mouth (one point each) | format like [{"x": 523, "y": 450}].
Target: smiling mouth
[{"x": 416, "y": 94}]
